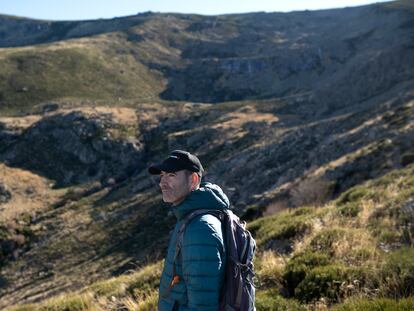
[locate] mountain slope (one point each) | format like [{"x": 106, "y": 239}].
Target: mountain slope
[
  {"x": 214, "y": 59},
  {"x": 325, "y": 103},
  {"x": 15, "y": 31}
]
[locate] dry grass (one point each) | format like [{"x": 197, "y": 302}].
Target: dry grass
[
  {"x": 122, "y": 115},
  {"x": 228, "y": 127},
  {"x": 133, "y": 292},
  {"x": 269, "y": 268},
  {"x": 30, "y": 192},
  {"x": 236, "y": 120},
  {"x": 348, "y": 248},
  {"x": 19, "y": 123}
]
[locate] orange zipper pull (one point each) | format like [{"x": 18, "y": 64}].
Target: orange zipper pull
[{"x": 175, "y": 280}]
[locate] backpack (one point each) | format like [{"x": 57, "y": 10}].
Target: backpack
[{"x": 238, "y": 291}]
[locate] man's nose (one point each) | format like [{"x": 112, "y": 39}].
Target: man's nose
[{"x": 162, "y": 181}]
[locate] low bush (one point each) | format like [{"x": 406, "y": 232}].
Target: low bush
[
  {"x": 353, "y": 195},
  {"x": 379, "y": 304},
  {"x": 393, "y": 223},
  {"x": 321, "y": 282},
  {"x": 388, "y": 236},
  {"x": 350, "y": 209},
  {"x": 325, "y": 239},
  {"x": 398, "y": 274},
  {"x": 306, "y": 210},
  {"x": 291, "y": 230},
  {"x": 328, "y": 282},
  {"x": 270, "y": 300},
  {"x": 298, "y": 267},
  {"x": 279, "y": 227}
]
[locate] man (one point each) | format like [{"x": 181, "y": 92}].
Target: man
[{"x": 193, "y": 281}]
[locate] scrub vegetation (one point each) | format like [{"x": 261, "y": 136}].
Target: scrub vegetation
[{"x": 335, "y": 260}]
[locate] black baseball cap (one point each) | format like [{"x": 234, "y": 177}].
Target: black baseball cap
[{"x": 177, "y": 161}]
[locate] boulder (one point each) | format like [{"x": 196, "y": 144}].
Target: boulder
[{"x": 5, "y": 193}]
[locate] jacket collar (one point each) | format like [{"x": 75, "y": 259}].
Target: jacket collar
[{"x": 208, "y": 196}]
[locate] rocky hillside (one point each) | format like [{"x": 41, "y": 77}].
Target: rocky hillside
[
  {"x": 332, "y": 57},
  {"x": 284, "y": 110}
]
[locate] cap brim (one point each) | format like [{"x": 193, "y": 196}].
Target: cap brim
[
  {"x": 163, "y": 167},
  {"x": 153, "y": 170}
]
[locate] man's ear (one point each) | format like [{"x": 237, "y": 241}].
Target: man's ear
[{"x": 194, "y": 181}]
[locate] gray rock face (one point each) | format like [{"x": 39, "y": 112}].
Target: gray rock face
[
  {"x": 341, "y": 56},
  {"x": 73, "y": 148}
]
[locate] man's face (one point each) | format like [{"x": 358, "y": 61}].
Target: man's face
[{"x": 175, "y": 186}]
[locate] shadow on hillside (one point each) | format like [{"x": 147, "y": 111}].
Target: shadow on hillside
[
  {"x": 139, "y": 227},
  {"x": 247, "y": 66},
  {"x": 3, "y": 282}
]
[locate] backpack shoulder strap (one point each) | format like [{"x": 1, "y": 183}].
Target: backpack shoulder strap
[{"x": 187, "y": 219}]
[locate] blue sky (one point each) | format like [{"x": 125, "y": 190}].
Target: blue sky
[{"x": 88, "y": 9}]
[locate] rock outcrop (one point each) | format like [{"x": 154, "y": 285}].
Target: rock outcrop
[
  {"x": 5, "y": 193},
  {"x": 74, "y": 147}
]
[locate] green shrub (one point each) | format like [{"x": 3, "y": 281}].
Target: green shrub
[
  {"x": 379, "y": 304},
  {"x": 388, "y": 236},
  {"x": 281, "y": 227},
  {"x": 324, "y": 240},
  {"x": 26, "y": 218},
  {"x": 27, "y": 232},
  {"x": 398, "y": 274},
  {"x": 270, "y": 300},
  {"x": 299, "y": 266},
  {"x": 303, "y": 211},
  {"x": 327, "y": 282},
  {"x": 292, "y": 230},
  {"x": 350, "y": 209},
  {"x": 353, "y": 195}
]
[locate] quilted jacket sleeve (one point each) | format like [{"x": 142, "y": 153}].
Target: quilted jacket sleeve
[{"x": 203, "y": 260}]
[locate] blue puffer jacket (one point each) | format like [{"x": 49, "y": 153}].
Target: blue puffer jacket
[{"x": 202, "y": 261}]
